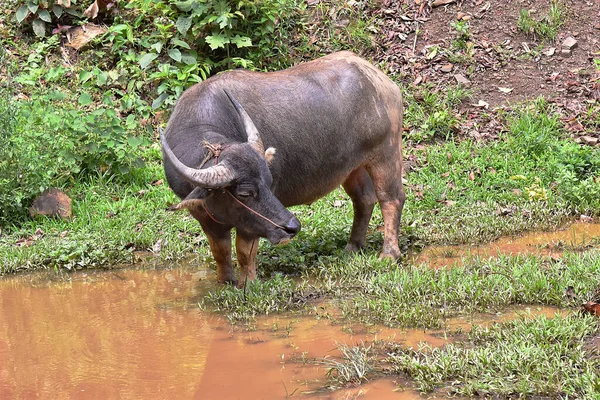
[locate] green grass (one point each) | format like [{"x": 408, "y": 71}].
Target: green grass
[
  {"x": 112, "y": 220},
  {"x": 547, "y": 27},
  {"x": 522, "y": 358},
  {"x": 266, "y": 297},
  {"x": 417, "y": 296}
]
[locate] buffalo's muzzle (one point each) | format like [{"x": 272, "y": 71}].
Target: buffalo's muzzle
[{"x": 292, "y": 227}]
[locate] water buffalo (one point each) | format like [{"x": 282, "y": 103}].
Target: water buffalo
[{"x": 242, "y": 146}]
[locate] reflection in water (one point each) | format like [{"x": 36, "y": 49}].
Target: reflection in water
[
  {"x": 140, "y": 334},
  {"x": 552, "y": 244}
]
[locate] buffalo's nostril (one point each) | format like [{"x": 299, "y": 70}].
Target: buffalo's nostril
[{"x": 293, "y": 227}]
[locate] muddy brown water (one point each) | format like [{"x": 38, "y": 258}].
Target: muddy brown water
[
  {"x": 139, "y": 333},
  {"x": 551, "y": 244}
]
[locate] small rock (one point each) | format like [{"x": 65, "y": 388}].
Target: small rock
[
  {"x": 466, "y": 18},
  {"x": 550, "y": 51},
  {"x": 157, "y": 246},
  {"x": 460, "y": 15},
  {"x": 447, "y": 68},
  {"x": 338, "y": 203},
  {"x": 52, "y": 202},
  {"x": 461, "y": 79},
  {"x": 438, "y": 3},
  {"x": 565, "y": 53},
  {"x": 569, "y": 43},
  {"x": 589, "y": 140},
  {"x": 586, "y": 219}
]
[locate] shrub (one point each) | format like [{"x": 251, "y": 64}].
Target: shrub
[{"x": 44, "y": 142}]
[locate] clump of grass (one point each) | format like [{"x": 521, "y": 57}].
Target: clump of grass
[
  {"x": 431, "y": 115},
  {"x": 260, "y": 297},
  {"x": 418, "y": 296},
  {"x": 112, "y": 219},
  {"x": 521, "y": 358},
  {"x": 547, "y": 27},
  {"x": 355, "y": 366}
]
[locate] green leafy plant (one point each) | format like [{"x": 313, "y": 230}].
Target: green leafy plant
[
  {"x": 43, "y": 13},
  {"x": 45, "y": 142}
]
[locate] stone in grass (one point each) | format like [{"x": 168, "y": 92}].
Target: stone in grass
[
  {"x": 566, "y": 53},
  {"x": 461, "y": 79},
  {"x": 589, "y": 140},
  {"x": 447, "y": 68},
  {"x": 52, "y": 202},
  {"x": 569, "y": 43}
]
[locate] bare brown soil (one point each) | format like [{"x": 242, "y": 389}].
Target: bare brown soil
[{"x": 506, "y": 65}]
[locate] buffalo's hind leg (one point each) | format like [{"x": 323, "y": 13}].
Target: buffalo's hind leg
[
  {"x": 359, "y": 187},
  {"x": 387, "y": 180},
  {"x": 246, "y": 247},
  {"x": 219, "y": 239}
]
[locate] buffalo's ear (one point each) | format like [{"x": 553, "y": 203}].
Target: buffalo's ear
[
  {"x": 269, "y": 154},
  {"x": 192, "y": 200}
]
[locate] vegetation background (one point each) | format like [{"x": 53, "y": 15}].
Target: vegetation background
[{"x": 83, "y": 86}]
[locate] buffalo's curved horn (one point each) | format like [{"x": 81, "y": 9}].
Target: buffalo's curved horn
[
  {"x": 215, "y": 177},
  {"x": 251, "y": 130}
]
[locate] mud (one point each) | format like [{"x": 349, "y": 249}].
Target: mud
[
  {"x": 140, "y": 334},
  {"x": 553, "y": 244}
]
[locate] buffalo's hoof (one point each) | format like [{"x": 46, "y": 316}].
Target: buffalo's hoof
[
  {"x": 353, "y": 248},
  {"x": 228, "y": 281},
  {"x": 394, "y": 255}
]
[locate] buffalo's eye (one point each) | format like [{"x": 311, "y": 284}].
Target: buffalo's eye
[{"x": 245, "y": 195}]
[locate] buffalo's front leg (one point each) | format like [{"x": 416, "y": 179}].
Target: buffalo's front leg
[
  {"x": 246, "y": 247},
  {"x": 219, "y": 239}
]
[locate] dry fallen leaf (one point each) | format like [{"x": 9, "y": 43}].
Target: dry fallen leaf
[
  {"x": 481, "y": 104},
  {"x": 505, "y": 90}
]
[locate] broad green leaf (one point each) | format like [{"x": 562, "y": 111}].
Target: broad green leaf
[
  {"x": 185, "y": 6},
  {"x": 175, "y": 54},
  {"x": 134, "y": 141},
  {"x": 183, "y": 24},
  {"x": 45, "y": 16},
  {"x": 217, "y": 41},
  {"x": 85, "y": 99},
  {"x": 101, "y": 78},
  {"x": 146, "y": 59},
  {"x": 39, "y": 27},
  {"x": 241, "y": 41},
  {"x": 224, "y": 21},
  {"x": 159, "y": 100},
  {"x": 180, "y": 43},
  {"x": 113, "y": 74},
  {"x": 188, "y": 58},
  {"x": 73, "y": 12},
  {"x": 84, "y": 76},
  {"x": 22, "y": 13},
  {"x": 157, "y": 46},
  {"x": 33, "y": 7},
  {"x": 57, "y": 10}
]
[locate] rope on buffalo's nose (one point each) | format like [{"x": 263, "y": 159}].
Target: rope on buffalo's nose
[{"x": 255, "y": 213}]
